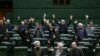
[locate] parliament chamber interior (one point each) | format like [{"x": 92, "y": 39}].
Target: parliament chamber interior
[{"x": 49, "y": 27}]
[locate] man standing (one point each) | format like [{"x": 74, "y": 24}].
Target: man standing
[
  {"x": 63, "y": 26},
  {"x": 80, "y": 31}
]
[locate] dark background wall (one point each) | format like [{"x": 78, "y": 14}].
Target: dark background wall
[
  {"x": 36, "y": 8},
  {"x": 5, "y": 8}
]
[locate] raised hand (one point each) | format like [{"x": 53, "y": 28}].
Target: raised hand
[
  {"x": 18, "y": 17},
  {"x": 75, "y": 21},
  {"x": 47, "y": 21},
  {"x": 53, "y": 15},
  {"x": 27, "y": 40},
  {"x": 44, "y": 19},
  {"x": 44, "y": 15},
  {"x": 4, "y": 18},
  {"x": 86, "y": 16},
  {"x": 71, "y": 17},
  {"x": 33, "y": 19}
]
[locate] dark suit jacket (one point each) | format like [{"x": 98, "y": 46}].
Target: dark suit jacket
[
  {"x": 26, "y": 37},
  {"x": 2, "y": 32},
  {"x": 76, "y": 52},
  {"x": 2, "y": 29},
  {"x": 79, "y": 33},
  {"x": 51, "y": 37}
]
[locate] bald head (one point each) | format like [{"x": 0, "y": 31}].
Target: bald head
[
  {"x": 80, "y": 25},
  {"x": 73, "y": 44}
]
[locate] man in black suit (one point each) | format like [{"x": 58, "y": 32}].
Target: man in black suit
[
  {"x": 59, "y": 51},
  {"x": 75, "y": 51},
  {"x": 63, "y": 26},
  {"x": 53, "y": 35},
  {"x": 26, "y": 38}
]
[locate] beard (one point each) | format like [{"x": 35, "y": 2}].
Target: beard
[{"x": 38, "y": 48}]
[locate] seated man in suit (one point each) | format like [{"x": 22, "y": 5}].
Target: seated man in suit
[
  {"x": 59, "y": 51},
  {"x": 75, "y": 51}
]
